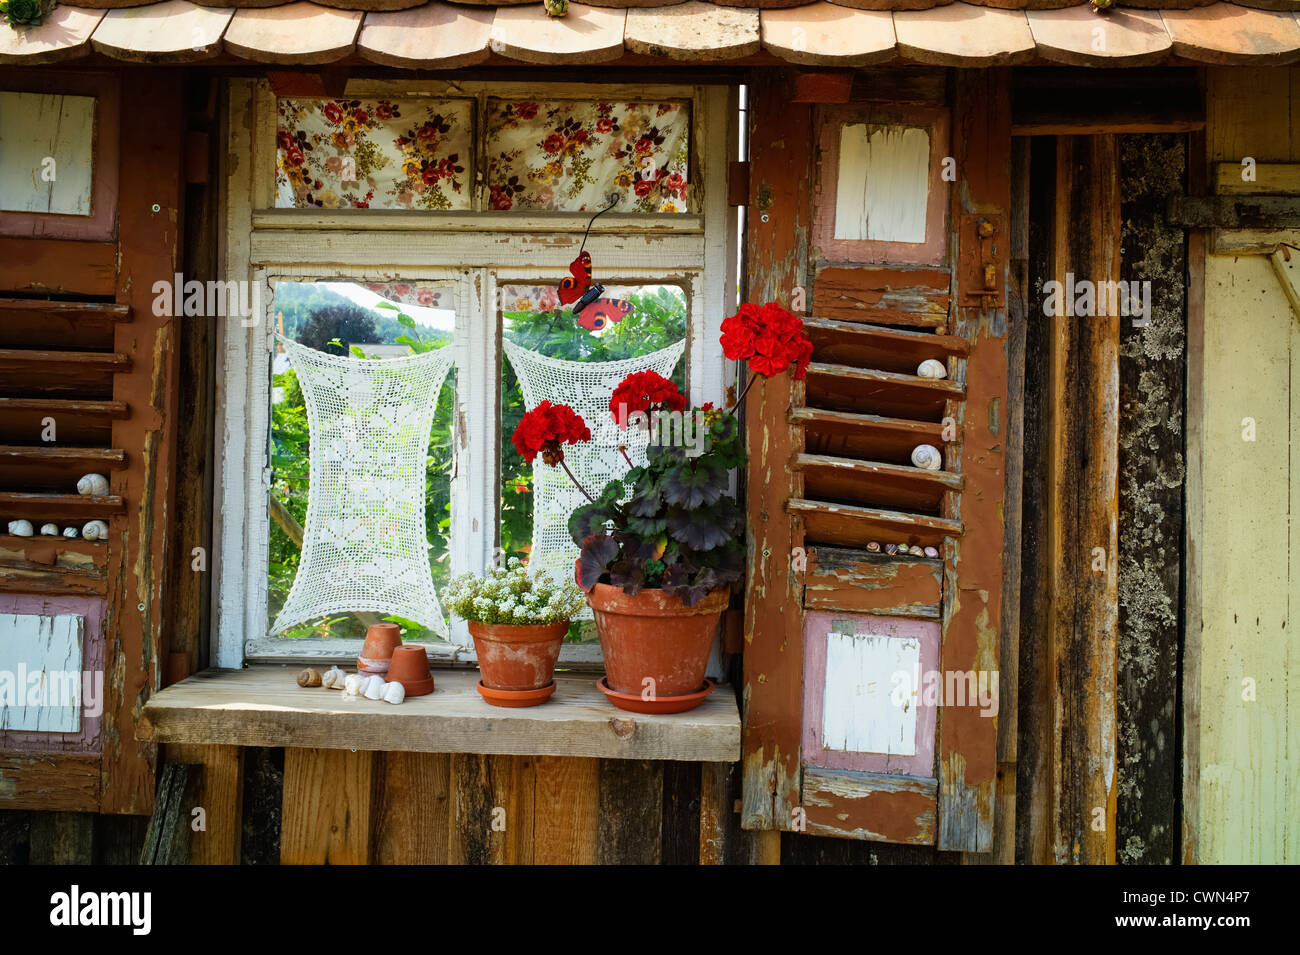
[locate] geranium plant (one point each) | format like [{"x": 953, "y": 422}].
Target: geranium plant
[{"x": 680, "y": 531}]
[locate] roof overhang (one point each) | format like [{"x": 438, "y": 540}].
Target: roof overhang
[{"x": 439, "y": 36}]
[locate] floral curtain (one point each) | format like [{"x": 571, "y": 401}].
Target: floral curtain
[
  {"x": 374, "y": 154},
  {"x": 570, "y": 155}
]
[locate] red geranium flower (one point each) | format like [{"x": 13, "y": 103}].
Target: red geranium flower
[
  {"x": 543, "y": 429},
  {"x": 769, "y": 338},
  {"x": 644, "y": 391}
]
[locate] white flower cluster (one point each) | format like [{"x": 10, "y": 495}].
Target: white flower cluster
[{"x": 508, "y": 595}]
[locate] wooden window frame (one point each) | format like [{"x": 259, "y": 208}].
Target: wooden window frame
[
  {"x": 477, "y": 250},
  {"x": 829, "y": 121}
]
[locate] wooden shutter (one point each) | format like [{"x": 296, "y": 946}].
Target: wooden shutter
[
  {"x": 83, "y": 344},
  {"x": 830, "y": 471}
]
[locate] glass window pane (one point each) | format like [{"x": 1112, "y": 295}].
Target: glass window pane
[
  {"x": 532, "y": 319},
  {"x": 374, "y": 154},
  {"x": 571, "y": 155},
  {"x": 373, "y": 321}
]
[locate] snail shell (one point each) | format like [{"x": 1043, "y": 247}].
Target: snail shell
[
  {"x": 932, "y": 368},
  {"x": 70, "y": 533},
  {"x": 891, "y": 548},
  {"x": 20, "y": 528},
  {"x": 309, "y": 677},
  {"x": 352, "y": 684},
  {"x": 333, "y": 679},
  {"x": 94, "y": 531},
  {"x": 932, "y": 552},
  {"x": 916, "y": 551},
  {"x": 873, "y": 546},
  {"x": 394, "y": 693},
  {"x": 373, "y": 688},
  {"x": 49, "y": 530},
  {"x": 927, "y": 456},
  {"x": 95, "y": 485}
]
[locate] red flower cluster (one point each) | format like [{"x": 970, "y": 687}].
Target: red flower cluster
[
  {"x": 644, "y": 391},
  {"x": 769, "y": 338},
  {"x": 543, "y": 429}
]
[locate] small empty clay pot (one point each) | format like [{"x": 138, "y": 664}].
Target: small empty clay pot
[
  {"x": 410, "y": 667},
  {"x": 381, "y": 640}
]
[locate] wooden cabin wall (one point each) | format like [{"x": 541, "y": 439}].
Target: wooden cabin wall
[{"x": 1241, "y": 752}]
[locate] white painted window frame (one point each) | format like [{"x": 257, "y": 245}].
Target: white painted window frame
[{"x": 475, "y": 250}]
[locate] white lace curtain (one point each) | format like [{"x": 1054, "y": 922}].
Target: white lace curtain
[
  {"x": 365, "y": 546},
  {"x": 586, "y": 387}
]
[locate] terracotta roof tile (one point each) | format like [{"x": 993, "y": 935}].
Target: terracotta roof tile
[
  {"x": 63, "y": 35},
  {"x": 1077, "y": 37},
  {"x": 586, "y": 35},
  {"x": 175, "y": 31},
  {"x": 964, "y": 35},
  {"x": 440, "y": 35},
  {"x": 1226, "y": 33},
  {"x": 693, "y": 31},
  {"x": 823, "y": 34},
  {"x": 298, "y": 32},
  {"x": 434, "y": 36}
]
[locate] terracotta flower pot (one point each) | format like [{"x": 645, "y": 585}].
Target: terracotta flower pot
[
  {"x": 657, "y": 637},
  {"x": 517, "y": 657},
  {"x": 410, "y": 667},
  {"x": 381, "y": 640}
]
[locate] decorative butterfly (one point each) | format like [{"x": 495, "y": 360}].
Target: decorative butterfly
[
  {"x": 573, "y": 287},
  {"x": 601, "y": 312}
]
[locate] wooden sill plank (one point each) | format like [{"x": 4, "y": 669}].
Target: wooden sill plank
[
  {"x": 67, "y": 782},
  {"x": 263, "y": 706}
]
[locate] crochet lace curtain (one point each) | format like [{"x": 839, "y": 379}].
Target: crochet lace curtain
[
  {"x": 364, "y": 546},
  {"x": 586, "y": 387}
]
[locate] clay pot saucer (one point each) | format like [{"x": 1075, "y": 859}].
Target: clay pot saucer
[
  {"x": 634, "y": 702},
  {"x": 516, "y": 697},
  {"x": 410, "y": 667}
]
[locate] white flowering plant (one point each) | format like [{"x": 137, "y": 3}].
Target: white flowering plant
[{"x": 509, "y": 595}]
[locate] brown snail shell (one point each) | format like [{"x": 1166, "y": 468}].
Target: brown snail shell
[
  {"x": 873, "y": 546},
  {"x": 309, "y": 677}
]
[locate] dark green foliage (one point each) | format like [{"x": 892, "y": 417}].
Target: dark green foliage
[{"x": 680, "y": 530}]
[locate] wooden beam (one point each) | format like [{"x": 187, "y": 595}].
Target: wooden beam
[
  {"x": 781, "y": 141},
  {"x": 326, "y": 815},
  {"x": 1083, "y": 530},
  {"x": 967, "y": 736},
  {"x": 1234, "y": 212},
  {"x": 221, "y": 798},
  {"x": 67, "y": 782}
]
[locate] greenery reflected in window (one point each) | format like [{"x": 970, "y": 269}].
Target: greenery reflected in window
[
  {"x": 367, "y": 322},
  {"x": 532, "y": 318}
]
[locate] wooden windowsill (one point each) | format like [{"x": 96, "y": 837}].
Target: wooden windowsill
[{"x": 263, "y": 706}]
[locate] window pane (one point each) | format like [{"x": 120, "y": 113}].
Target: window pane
[
  {"x": 342, "y": 318},
  {"x": 374, "y": 154},
  {"x": 571, "y": 155},
  {"x": 532, "y": 320}
]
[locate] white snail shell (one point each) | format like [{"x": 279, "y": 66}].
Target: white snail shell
[
  {"x": 352, "y": 684},
  {"x": 333, "y": 678},
  {"x": 95, "y": 531},
  {"x": 394, "y": 692},
  {"x": 932, "y": 368},
  {"x": 20, "y": 528},
  {"x": 932, "y": 552},
  {"x": 927, "y": 456},
  {"x": 95, "y": 485},
  {"x": 373, "y": 688},
  {"x": 70, "y": 533},
  {"x": 49, "y": 530}
]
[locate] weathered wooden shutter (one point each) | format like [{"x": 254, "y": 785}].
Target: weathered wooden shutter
[{"x": 830, "y": 626}]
